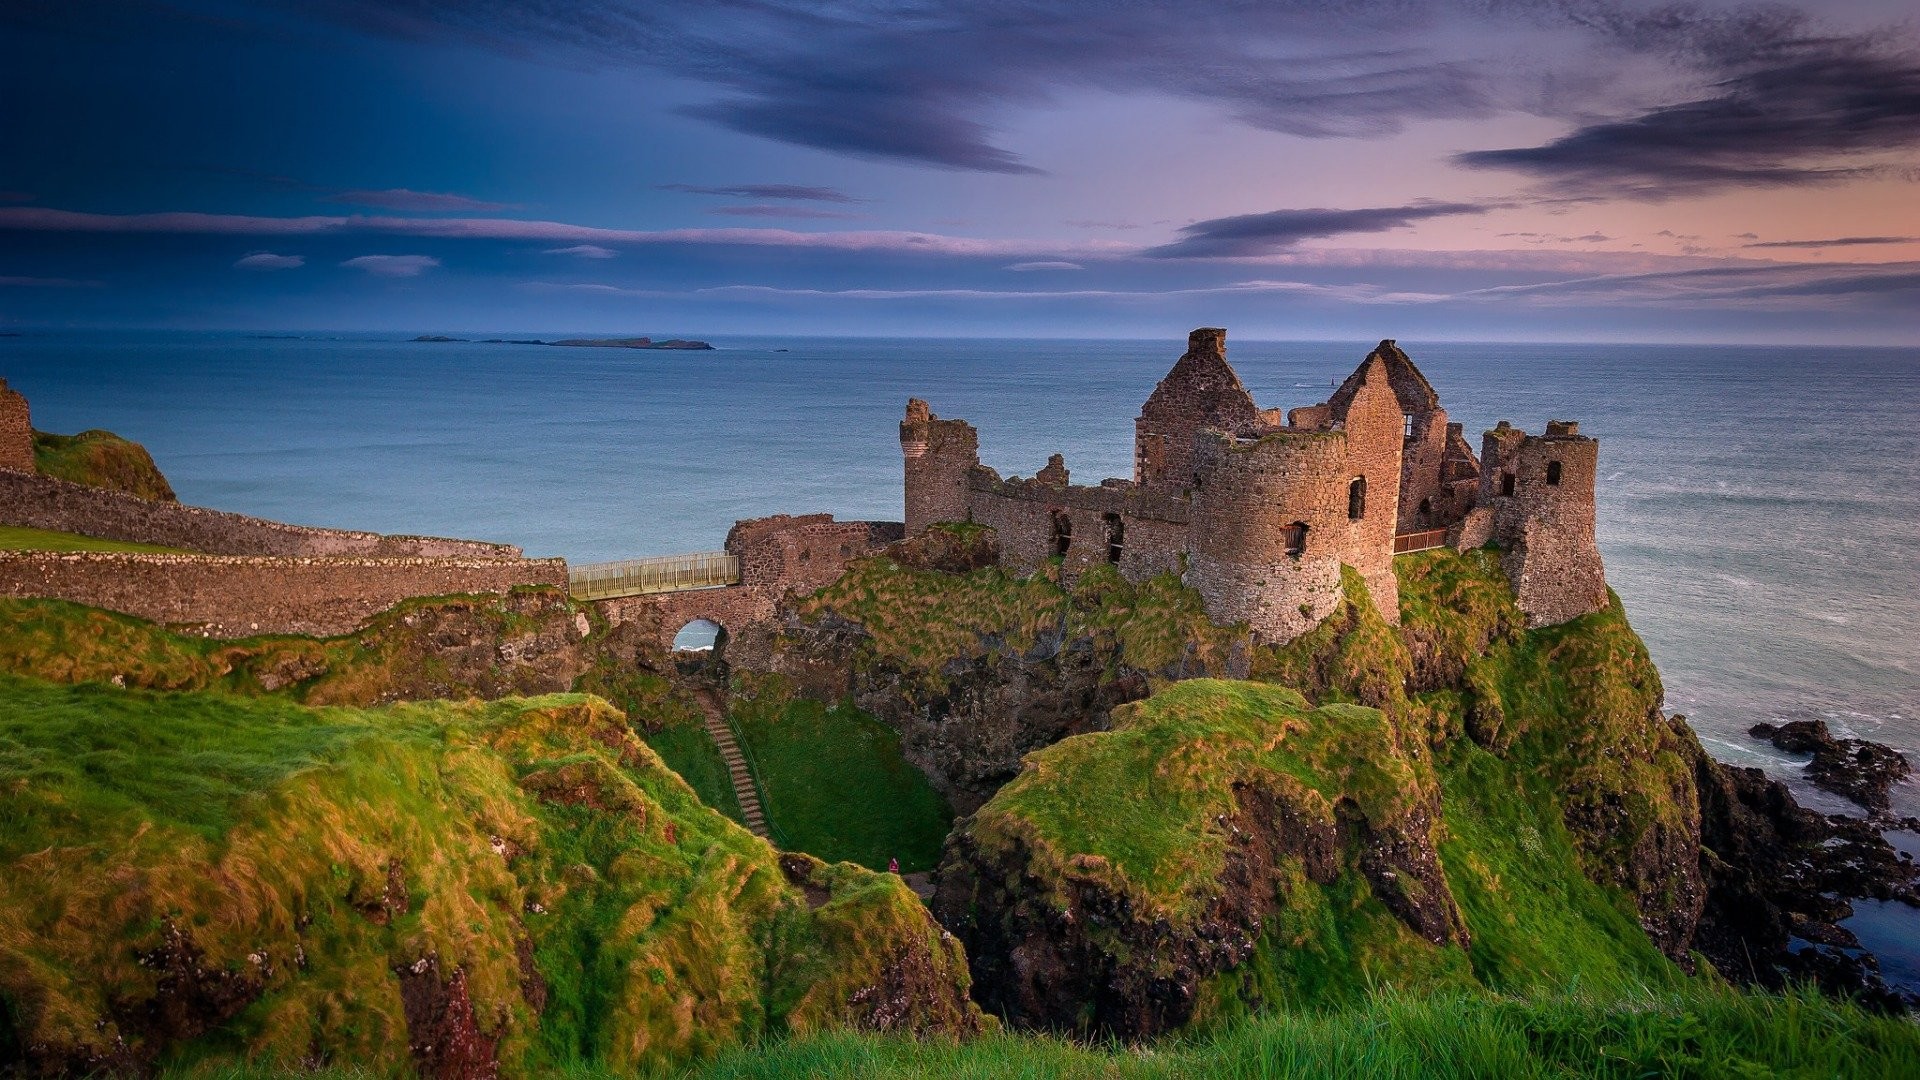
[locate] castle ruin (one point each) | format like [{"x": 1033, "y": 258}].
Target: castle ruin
[{"x": 1258, "y": 510}]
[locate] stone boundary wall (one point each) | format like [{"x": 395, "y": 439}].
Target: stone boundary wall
[
  {"x": 42, "y": 502},
  {"x": 229, "y": 596}
]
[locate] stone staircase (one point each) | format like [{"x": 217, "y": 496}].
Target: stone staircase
[{"x": 742, "y": 777}]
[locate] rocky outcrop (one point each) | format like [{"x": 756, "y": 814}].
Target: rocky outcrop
[
  {"x": 1854, "y": 768},
  {"x": 1085, "y": 910}
]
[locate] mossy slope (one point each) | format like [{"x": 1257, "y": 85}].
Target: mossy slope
[
  {"x": 196, "y": 878},
  {"x": 101, "y": 459},
  {"x": 1531, "y": 775}
]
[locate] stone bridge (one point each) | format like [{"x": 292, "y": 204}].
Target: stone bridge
[{"x": 737, "y": 589}]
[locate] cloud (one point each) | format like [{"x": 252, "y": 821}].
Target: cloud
[
  {"x": 897, "y": 242},
  {"x": 47, "y": 283},
  {"x": 1801, "y": 113},
  {"x": 1841, "y": 241},
  {"x": 406, "y": 201},
  {"x": 1046, "y": 264},
  {"x": 1246, "y": 235},
  {"x": 15, "y": 196},
  {"x": 267, "y": 260},
  {"x": 394, "y": 266},
  {"x": 926, "y": 81},
  {"x": 763, "y": 210},
  {"x": 583, "y": 251},
  {"x": 788, "y": 192},
  {"x": 1362, "y": 293},
  {"x": 1813, "y": 286}
]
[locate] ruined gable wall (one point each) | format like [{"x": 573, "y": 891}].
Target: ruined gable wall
[
  {"x": 1375, "y": 430},
  {"x": 230, "y": 596},
  {"x": 1249, "y": 494},
  {"x": 16, "y": 431},
  {"x": 1200, "y": 393},
  {"x": 1422, "y": 465},
  {"x": 42, "y": 502},
  {"x": 1546, "y": 531},
  {"x": 940, "y": 457}
]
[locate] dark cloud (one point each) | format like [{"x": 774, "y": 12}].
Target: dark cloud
[
  {"x": 768, "y": 210},
  {"x": 1262, "y": 234},
  {"x": 1839, "y": 241},
  {"x": 413, "y": 201},
  {"x": 1800, "y": 113},
  {"x": 785, "y": 192}
]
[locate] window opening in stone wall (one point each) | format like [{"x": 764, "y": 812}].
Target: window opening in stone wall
[
  {"x": 1553, "y": 473},
  {"x": 1409, "y": 425},
  {"x": 1506, "y": 483},
  {"x": 700, "y": 635},
  {"x": 1425, "y": 511},
  {"x": 1357, "y": 498},
  {"x": 1116, "y": 537},
  {"x": 1297, "y": 539},
  {"x": 1062, "y": 533}
]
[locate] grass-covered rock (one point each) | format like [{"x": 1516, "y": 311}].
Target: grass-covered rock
[
  {"x": 1105, "y": 887},
  {"x": 188, "y": 879},
  {"x": 101, "y": 459}
]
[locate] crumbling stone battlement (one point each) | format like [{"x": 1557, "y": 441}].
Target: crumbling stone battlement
[{"x": 1258, "y": 509}]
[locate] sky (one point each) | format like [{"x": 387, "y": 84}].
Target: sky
[{"x": 1470, "y": 170}]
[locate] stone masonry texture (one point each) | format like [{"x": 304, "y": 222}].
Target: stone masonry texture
[
  {"x": 230, "y": 596},
  {"x": 1258, "y": 509}
]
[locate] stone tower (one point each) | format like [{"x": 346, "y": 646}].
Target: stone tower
[
  {"x": 940, "y": 459},
  {"x": 1201, "y": 393},
  {"x": 16, "y": 431},
  {"x": 1540, "y": 490}
]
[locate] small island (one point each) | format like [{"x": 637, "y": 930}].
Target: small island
[
  {"x": 581, "y": 343},
  {"x": 631, "y": 343}
]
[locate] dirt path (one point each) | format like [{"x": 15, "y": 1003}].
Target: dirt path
[{"x": 743, "y": 789}]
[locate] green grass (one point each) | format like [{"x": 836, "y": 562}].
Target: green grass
[
  {"x": 269, "y": 832},
  {"x": 1691, "y": 1036},
  {"x": 833, "y": 783},
  {"x": 100, "y": 459},
  {"x": 20, "y": 538},
  {"x": 690, "y": 751}
]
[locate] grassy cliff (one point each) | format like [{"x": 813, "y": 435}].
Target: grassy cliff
[
  {"x": 101, "y": 459},
  {"x": 189, "y": 879},
  {"x": 1314, "y": 844}
]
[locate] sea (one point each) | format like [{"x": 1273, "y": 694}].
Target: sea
[{"x": 1759, "y": 507}]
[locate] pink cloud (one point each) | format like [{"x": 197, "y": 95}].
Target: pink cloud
[{"x": 393, "y": 265}]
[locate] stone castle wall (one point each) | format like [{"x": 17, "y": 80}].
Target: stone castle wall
[
  {"x": 16, "y": 431},
  {"x": 1545, "y": 527},
  {"x": 229, "y": 596},
  {"x": 940, "y": 457},
  {"x": 1224, "y": 491},
  {"x": 1255, "y": 497},
  {"x": 42, "y": 502}
]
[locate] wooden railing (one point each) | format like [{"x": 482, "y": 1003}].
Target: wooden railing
[
  {"x": 1407, "y": 543},
  {"x": 667, "y": 573}
]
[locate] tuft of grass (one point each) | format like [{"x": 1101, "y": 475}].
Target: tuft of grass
[
  {"x": 21, "y": 538},
  {"x": 833, "y": 782},
  {"x": 100, "y": 459}
]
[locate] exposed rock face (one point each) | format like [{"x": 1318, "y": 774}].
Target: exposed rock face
[
  {"x": 1777, "y": 872},
  {"x": 1855, "y": 768},
  {"x": 968, "y": 728},
  {"x": 1082, "y": 916}
]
